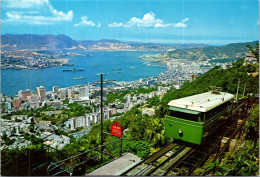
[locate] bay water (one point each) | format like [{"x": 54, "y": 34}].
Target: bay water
[{"x": 117, "y": 65}]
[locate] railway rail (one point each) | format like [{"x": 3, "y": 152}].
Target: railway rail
[
  {"x": 180, "y": 158},
  {"x": 155, "y": 161}
]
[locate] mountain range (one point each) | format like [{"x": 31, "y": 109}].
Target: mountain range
[
  {"x": 63, "y": 42},
  {"x": 230, "y": 51}
]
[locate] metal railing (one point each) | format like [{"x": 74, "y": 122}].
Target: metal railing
[{"x": 59, "y": 167}]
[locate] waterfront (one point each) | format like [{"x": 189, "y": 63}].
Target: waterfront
[{"x": 132, "y": 68}]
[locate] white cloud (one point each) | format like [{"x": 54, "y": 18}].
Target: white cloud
[
  {"x": 99, "y": 25},
  {"x": 84, "y": 22},
  {"x": 181, "y": 24},
  {"x": 160, "y": 25},
  {"x": 43, "y": 14},
  {"x": 257, "y": 23},
  {"x": 148, "y": 20},
  {"x": 114, "y": 25},
  {"x": 24, "y": 3}
]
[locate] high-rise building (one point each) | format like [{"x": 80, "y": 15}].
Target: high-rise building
[
  {"x": 16, "y": 102},
  {"x": 160, "y": 88},
  {"x": 84, "y": 92},
  {"x": 128, "y": 99},
  {"x": 70, "y": 93},
  {"x": 23, "y": 94},
  {"x": 62, "y": 95},
  {"x": 55, "y": 89},
  {"x": 135, "y": 98},
  {"x": 40, "y": 91},
  {"x": 193, "y": 77},
  {"x": 7, "y": 106}
]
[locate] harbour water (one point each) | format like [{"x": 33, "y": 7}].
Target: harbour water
[{"x": 131, "y": 68}]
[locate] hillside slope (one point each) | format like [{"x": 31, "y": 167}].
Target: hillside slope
[
  {"x": 230, "y": 51},
  {"x": 36, "y": 42},
  {"x": 227, "y": 79}
]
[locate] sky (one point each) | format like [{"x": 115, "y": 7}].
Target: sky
[{"x": 214, "y": 22}]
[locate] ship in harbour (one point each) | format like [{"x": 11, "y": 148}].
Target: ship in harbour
[
  {"x": 106, "y": 81},
  {"x": 78, "y": 78},
  {"x": 72, "y": 70}
]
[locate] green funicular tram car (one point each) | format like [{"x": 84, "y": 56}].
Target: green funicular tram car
[{"x": 192, "y": 119}]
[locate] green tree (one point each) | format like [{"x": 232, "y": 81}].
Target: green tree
[
  {"x": 254, "y": 51},
  {"x": 242, "y": 162},
  {"x": 140, "y": 148},
  {"x": 7, "y": 140},
  {"x": 154, "y": 132},
  {"x": 252, "y": 125}
]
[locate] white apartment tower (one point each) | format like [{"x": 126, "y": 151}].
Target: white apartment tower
[
  {"x": 84, "y": 92},
  {"x": 40, "y": 91},
  {"x": 70, "y": 93}
]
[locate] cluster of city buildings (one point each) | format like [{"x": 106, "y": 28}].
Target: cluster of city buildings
[
  {"x": 113, "y": 108},
  {"x": 86, "y": 95},
  {"x": 24, "y": 59},
  {"x": 250, "y": 59},
  {"x": 15, "y": 128},
  {"x": 177, "y": 72}
]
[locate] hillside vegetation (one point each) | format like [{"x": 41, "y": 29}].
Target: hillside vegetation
[
  {"x": 230, "y": 51},
  {"x": 227, "y": 79}
]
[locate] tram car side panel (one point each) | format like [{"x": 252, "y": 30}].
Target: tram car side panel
[
  {"x": 192, "y": 119},
  {"x": 184, "y": 130},
  {"x": 216, "y": 118}
]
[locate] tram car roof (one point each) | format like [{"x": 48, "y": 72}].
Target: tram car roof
[{"x": 202, "y": 102}]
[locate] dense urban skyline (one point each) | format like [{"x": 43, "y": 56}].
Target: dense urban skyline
[{"x": 210, "y": 21}]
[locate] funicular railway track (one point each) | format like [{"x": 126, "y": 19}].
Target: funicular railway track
[
  {"x": 181, "y": 158},
  {"x": 202, "y": 152},
  {"x": 155, "y": 161}
]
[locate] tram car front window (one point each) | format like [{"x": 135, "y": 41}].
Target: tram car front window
[{"x": 183, "y": 115}]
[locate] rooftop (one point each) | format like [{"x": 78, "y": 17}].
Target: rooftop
[{"x": 202, "y": 102}]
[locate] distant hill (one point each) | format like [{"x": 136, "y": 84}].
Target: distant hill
[
  {"x": 61, "y": 42},
  {"x": 36, "y": 42},
  {"x": 230, "y": 51}
]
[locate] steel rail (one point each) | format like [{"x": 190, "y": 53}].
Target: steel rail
[
  {"x": 175, "y": 154},
  {"x": 152, "y": 158},
  {"x": 160, "y": 153},
  {"x": 174, "y": 161}
]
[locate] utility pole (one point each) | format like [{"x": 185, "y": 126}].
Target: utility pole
[
  {"x": 237, "y": 89},
  {"x": 101, "y": 84}
]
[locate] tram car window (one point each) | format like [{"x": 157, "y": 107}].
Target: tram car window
[
  {"x": 194, "y": 118},
  {"x": 183, "y": 115}
]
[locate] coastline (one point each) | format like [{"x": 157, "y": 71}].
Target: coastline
[{"x": 98, "y": 59}]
